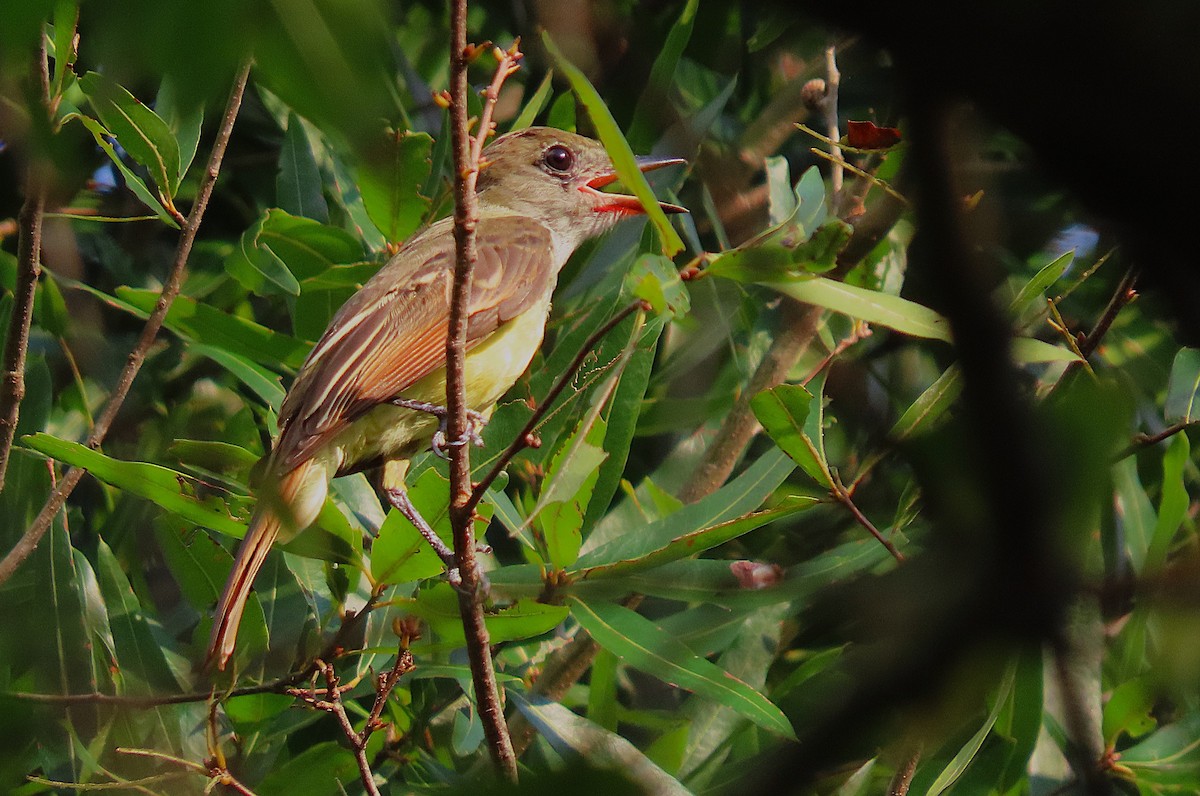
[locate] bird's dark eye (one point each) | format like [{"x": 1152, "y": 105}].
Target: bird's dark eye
[{"x": 558, "y": 158}]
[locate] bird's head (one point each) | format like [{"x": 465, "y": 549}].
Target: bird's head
[{"x": 557, "y": 177}]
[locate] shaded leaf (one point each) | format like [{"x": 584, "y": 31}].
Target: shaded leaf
[
  {"x": 642, "y": 644},
  {"x": 391, "y": 182},
  {"x": 298, "y": 187},
  {"x": 140, "y": 131},
  {"x": 571, "y": 734},
  {"x": 618, "y": 148},
  {"x": 1183, "y": 388}
]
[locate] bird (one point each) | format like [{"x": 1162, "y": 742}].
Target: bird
[{"x": 369, "y": 394}]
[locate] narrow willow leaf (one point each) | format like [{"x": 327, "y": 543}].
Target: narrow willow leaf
[
  {"x": 567, "y": 490},
  {"x": 330, "y": 539},
  {"x": 172, "y": 490},
  {"x": 930, "y": 405},
  {"x": 643, "y": 645},
  {"x": 571, "y": 734},
  {"x": 140, "y": 131},
  {"x": 1173, "y": 505},
  {"x": 649, "y": 113},
  {"x": 1029, "y": 350},
  {"x": 783, "y": 413},
  {"x": 535, "y": 104},
  {"x": 298, "y": 186},
  {"x": 439, "y": 607},
  {"x": 699, "y": 541},
  {"x": 1183, "y": 387},
  {"x": 744, "y": 494},
  {"x": 958, "y": 764},
  {"x": 1041, "y": 281},
  {"x": 391, "y": 181},
  {"x": 193, "y": 320},
  {"x": 871, "y": 306},
  {"x": 618, "y": 148},
  {"x": 1133, "y": 510},
  {"x": 132, "y": 180},
  {"x": 261, "y": 381},
  {"x": 185, "y": 120}
]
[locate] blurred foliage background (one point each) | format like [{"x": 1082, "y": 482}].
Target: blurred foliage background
[{"x": 908, "y": 459}]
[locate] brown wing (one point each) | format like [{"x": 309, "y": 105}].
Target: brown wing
[{"x": 392, "y": 332}]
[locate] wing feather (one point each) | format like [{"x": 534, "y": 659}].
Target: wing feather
[{"x": 392, "y": 332}]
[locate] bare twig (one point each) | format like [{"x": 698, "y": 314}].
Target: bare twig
[
  {"x": 902, "y": 779},
  {"x": 833, "y": 80},
  {"x": 525, "y": 437},
  {"x": 1125, "y": 293},
  {"x": 462, "y": 515},
  {"x": 842, "y": 495},
  {"x": 137, "y": 356},
  {"x": 29, "y": 268},
  {"x": 1141, "y": 441}
]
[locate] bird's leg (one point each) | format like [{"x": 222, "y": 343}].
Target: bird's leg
[
  {"x": 393, "y": 486},
  {"x": 475, "y": 423}
]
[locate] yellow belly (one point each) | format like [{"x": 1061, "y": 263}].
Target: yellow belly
[{"x": 492, "y": 367}]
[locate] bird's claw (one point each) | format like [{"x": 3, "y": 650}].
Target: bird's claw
[{"x": 475, "y": 423}]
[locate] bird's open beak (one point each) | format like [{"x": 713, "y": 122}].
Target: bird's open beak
[{"x": 623, "y": 203}]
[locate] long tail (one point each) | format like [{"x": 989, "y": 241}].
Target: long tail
[{"x": 290, "y": 507}]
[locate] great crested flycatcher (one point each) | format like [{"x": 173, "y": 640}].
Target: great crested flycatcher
[{"x": 371, "y": 390}]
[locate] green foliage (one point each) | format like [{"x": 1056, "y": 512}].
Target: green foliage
[{"x": 726, "y": 626}]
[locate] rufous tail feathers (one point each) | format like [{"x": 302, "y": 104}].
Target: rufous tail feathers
[{"x": 291, "y": 501}]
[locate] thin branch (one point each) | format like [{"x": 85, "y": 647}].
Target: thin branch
[
  {"x": 29, "y": 268},
  {"x": 137, "y": 356},
  {"x": 829, "y": 108},
  {"x": 902, "y": 779},
  {"x": 462, "y": 516},
  {"x": 526, "y": 437},
  {"x": 843, "y": 496},
  {"x": 1125, "y": 293},
  {"x": 1141, "y": 441}
]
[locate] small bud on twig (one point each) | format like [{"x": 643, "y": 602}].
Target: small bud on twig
[{"x": 813, "y": 94}]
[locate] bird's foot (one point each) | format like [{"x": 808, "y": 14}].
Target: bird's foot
[
  {"x": 482, "y": 584},
  {"x": 475, "y": 423}
]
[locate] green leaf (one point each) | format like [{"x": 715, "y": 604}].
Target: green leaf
[
  {"x": 1134, "y": 511},
  {"x": 1042, "y": 280},
  {"x": 140, "y": 131},
  {"x": 298, "y": 187},
  {"x": 1183, "y": 387},
  {"x": 172, "y": 490},
  {"x": 562, "y": 113},
  {"x": 1029, "y": 350},
  {"x": 783, "y": 412},
  {"x": 781, "y": 198},
  {"x": 185, "y": 120},
  {"x": 391, "y": 182},
  {"x": 1173, "y": 506},
  {"x": 819, "y": 253},
  {"x": 698, "y": 541},
  {"x": 535, "y": 104},
  {"x": 649, "y": 113},
  {"x": 316, "y": 771},
  {"x": 930, "y": 406},
  {"x": 655, "y": 279},
  {"x": 958, "y": 764},
  {"x": 193, "y": 320},
  {"x": 132, "y": 180},
  {"x": 400, "y": 553},
  {"x": 140, "y": 655},
  {"x": 438, "y": 605},
  {"x": 279, "y": 250},
  {"x": 643, "y": 645},
  {"x": 871, "y": 306},
  {"x": 1129, "y": 710},
  {"x": 261, "y": 381},
  {"x": 618, "y": 148},
  {"x": 571, "y": 734},
  {"x": 51, "y": 308},
  {"x": 567, "y": 490},
  {"x": 744, "y": 494}
]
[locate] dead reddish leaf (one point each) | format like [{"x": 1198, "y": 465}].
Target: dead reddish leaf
[{"x": 868, "y": 135}]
